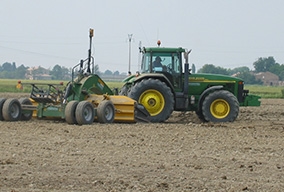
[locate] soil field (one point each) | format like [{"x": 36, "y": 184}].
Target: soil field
[{"x": 181, "y": 154}]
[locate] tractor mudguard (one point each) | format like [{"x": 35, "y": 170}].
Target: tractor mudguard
[{"x": 207, "y": 91}]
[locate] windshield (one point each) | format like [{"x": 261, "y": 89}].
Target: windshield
[{"x": 161, "y": 62}]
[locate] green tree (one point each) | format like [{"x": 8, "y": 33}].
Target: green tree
[
  {"x": 97, "y": 70},
  {"x": 210, "y": 68},
  {"x": 281, "y": 74},
  {"x": 193, "y": 68},
  {"x": 249, "y": 78},
  {"x": 56, "y": 72},
  {"x": 264, "y": 64},
  {"x": 238, "y": 70},
  {"x": 8, "y": 70},
  {"x": 21, "y": 72},
  {"x": 278, "y": 69},
  {"x": 116, "y": 73},
  {"x": 8, "y": 66},
  {"x": 108, "y": 72},
  {"x": 60, "y": 73}
]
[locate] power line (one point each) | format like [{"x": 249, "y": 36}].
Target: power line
[{"x": 36, "y": 53}]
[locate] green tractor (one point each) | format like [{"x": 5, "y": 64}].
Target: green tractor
[{"x": 163, "y": 85}]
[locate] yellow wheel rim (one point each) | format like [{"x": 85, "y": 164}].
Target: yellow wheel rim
[
  {"x": 153, "y": 101},
  {"x": 220, "y": 108}
]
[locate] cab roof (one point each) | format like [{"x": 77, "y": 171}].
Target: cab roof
[{"x": 163, "y": 49}]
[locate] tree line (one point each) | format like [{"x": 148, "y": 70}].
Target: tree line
[
  {"x": 11, "y": 71},
  {"x": 263, "y": 64}
]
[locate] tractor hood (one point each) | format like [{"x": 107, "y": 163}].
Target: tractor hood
[
  {"x": 205, "y": 77},
  {"x": 196, "y": 77}
]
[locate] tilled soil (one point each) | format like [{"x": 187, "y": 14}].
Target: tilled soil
[{"x": 182, "y": 154}]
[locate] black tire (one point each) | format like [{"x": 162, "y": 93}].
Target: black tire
[
  {"x": 84, "y": 113},
  {"x": 26, "y": 114},
  {"x": 200, "y": 115},
  {"x": 155, "y": 96},
  {"x": 2, "y": 101},
  {"x": 70, "y": 112},
  {"x": 124, "y": 90},
  {"x": 105, "y": 111},
  {"x": 220, "y": 106},
  {"x": 12, "y": 110},
  {"x": 68, "y": 90}
]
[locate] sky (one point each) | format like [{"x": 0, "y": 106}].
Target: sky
[{"x": 226, "y": 33}]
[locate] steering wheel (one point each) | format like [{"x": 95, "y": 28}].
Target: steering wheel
[{"x": 169, "y": 68}]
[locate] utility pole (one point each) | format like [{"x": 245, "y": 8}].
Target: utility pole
[{"x": 129, "y": 40}]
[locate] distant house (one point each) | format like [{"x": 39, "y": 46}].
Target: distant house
[
  {"x": 267, "y": 78},
  {"x": 38, "y": 73}
]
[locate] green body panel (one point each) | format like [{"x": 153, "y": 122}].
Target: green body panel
[
  {"x": 52, "y": 101},
  {"x": 251, "y": 100},
  {"x": 48, "y": 110},
  {"x": 80, "y": 88},
  {"x": 199, "y": 82},
  {"x": 84, "y": 85}
]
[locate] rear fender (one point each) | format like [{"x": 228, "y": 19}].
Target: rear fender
[{"x": 159, "y": 76}]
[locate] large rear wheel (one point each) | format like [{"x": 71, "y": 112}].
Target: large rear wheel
[
  {"x": 155, "y": 96},
  {"x": 106, "y": 111},
  {"x": 220, "y": 106},
  {"x": 200, "y": 115},
  {"x": 12, "y": 110},
  {"x": 84, "y": 113}
]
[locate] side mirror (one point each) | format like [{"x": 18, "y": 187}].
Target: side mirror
[
  {"x": 186, "y": 55},
  {"x": 189, "y": 71}
]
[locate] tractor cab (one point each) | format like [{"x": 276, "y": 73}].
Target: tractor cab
[
  {"x": 166, "y": 61},
  {"x": 165, "y": 84}
]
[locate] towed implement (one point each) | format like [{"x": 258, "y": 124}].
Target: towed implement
[{"x": 85, "y": 99}]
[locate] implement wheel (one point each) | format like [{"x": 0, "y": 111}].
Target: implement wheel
[
  {"x": 220, "y": 106},
  {"x": 70, "y": 110},
  {"x": 155, "y": 96},
  {"x": 84, "y": 113},
  {"x": 2, "y": 100},
  {"x": 26, "y": 114},
  {"x": 106, "y": 111},
  {"x": 12, "y": 110}
]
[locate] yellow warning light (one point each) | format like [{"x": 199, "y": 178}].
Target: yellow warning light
[{"x": 91, "y": 32}]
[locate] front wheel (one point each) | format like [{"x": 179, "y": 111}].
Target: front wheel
[
  {"x": 220, "y": 106},
  {"x": 155, "y": 96}
]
